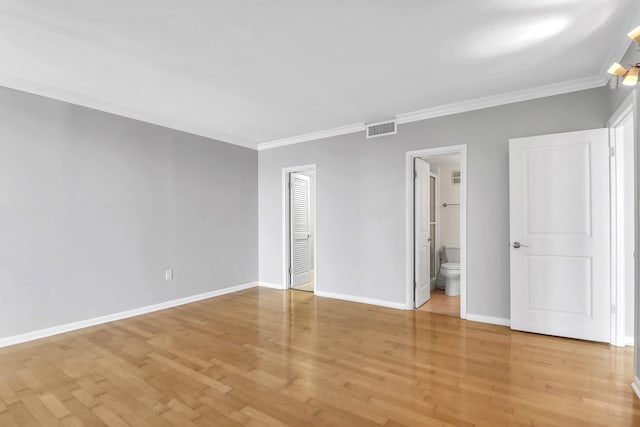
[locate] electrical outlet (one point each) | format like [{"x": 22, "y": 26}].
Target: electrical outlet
[{"x": 168, "y": 275}]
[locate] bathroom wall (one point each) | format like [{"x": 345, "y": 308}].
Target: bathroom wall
[
  {"x": 448, "y": 219},
  {"x": 449, "y": 216}
]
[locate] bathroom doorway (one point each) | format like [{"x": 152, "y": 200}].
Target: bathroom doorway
[{"x": 437, "y": 215}]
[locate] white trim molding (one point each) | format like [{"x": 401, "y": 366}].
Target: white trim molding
[
  {"x": 312, "y": 136},
  {"x": 272, "y": 285},
  {"x": 502, "y": 99},
  {"x": 422, "y": 114},
  {"x": 618, "y": 232},
  {"x": 489, "y": 319},
  {"x": 623, "y": 110},
  {"x": 453, "y": 108},
  {"x": 82, "y": 100},
  {"x": 68, "y": 327},
  {"x": 363, "y": 300},
  {"x": 635, "y": 385}
]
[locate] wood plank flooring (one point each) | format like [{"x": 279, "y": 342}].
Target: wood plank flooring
[{"x": 263, "y": 357}]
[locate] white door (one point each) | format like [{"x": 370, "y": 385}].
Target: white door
[
  {"x": 299, "y": 195},
  {"x": 559, "y": 228},
  {"x": 421, "y": 220}
]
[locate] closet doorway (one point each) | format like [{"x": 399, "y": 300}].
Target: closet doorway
[{"x": 300, "y": 228}]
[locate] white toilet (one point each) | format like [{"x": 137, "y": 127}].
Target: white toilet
[{"x": 450, "y": 270}]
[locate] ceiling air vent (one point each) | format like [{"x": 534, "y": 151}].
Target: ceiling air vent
[{"x": 375, "y": 130}]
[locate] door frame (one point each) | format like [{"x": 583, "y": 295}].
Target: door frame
[
  {"x": 618, "y": 317},
  {"x": 436, "y": 245},
  {"x": 286, "y": 241},
  {"x": 409, "y": 186}
]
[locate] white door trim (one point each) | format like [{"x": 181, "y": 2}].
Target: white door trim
[
  {"x": 409, "y": 184},
  {"x": 436, "y": 220},
  {"x": 618, "y": 335},
  {"x": 286, "y": 279}
]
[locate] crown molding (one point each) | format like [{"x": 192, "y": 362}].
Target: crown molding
[
  {"x": 453, "y": 108},
  {"x": 71, "y": 97},
  {"x": 312, "y": 136},
  {"x": 615, "y": 54},
  {"x": 502, "y": 99}
]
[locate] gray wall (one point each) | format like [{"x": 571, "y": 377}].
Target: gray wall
[
  {"x": 361, "y": 197},
  {"x": 95, "y": 207}
]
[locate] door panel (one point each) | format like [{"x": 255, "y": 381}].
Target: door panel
[
  {"x": 432, "y": 228},
  {"x": 566, "y": 209},
  {"x": 299, "y": 199},
  {"x": 422, "y": 257},
  {"x": 559, "y": 214}
]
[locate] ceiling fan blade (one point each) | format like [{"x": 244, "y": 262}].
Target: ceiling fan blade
[
  {"x": 635, "y": 35},
  {"x": 617, "y": 69}
]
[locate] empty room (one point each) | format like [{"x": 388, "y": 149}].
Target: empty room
[{"x": 322, "y": 213}]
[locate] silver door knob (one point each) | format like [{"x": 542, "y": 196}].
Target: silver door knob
[{"x": 519, "y": 245}]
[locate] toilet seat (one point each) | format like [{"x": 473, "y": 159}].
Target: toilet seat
[{"x": 451, "y": 266}]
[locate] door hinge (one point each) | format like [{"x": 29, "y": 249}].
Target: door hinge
[
  {"x": 415, "y": 174},
  {"x": 289, "y": 271},
  {"x": 289, "y": 185},
  {"x": 614, "y": 309},
  {"x": 612, "y": 151}
]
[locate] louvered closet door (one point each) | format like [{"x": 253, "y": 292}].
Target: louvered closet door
[{"x": 300, "y": 232}]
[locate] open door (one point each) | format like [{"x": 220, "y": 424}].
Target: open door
[
  {"x": 560, "y": 234},
  {"x": 421, "y": 228},
  {"x": 300, "y": 232}
]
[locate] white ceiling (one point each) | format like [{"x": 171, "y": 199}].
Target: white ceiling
[{"x": 248, "y": 72}]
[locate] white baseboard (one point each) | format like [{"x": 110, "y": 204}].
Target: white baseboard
[
  {"x": 43, "y": 333},
  {"x": 372, "y": 301},
  {"x": 628, "y": 341},
  {"x": 489, "y": 319},
  {"x": 635, "y": 385},
  {"x": 271, "y": 285}
]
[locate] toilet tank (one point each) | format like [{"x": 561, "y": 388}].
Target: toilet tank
[{"x": 452, "y": 253}]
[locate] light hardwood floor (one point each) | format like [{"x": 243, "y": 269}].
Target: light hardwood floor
[{"x": 263, "y": 357}]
